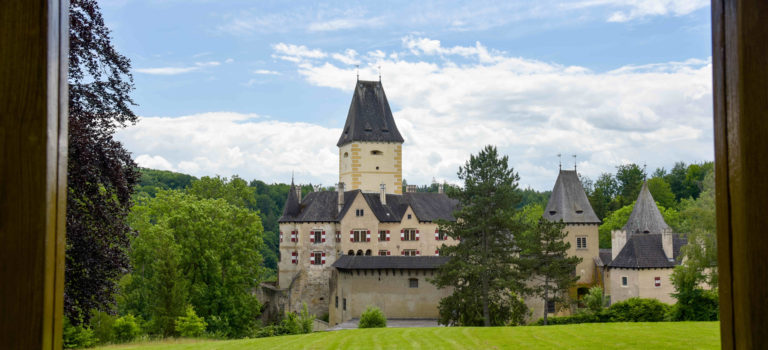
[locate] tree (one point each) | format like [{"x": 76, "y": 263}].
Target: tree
[
  {"x": 630, "y": 178},
  {"x": 481, "y": 269},
  {"x": 603, "y": 193},
  {"x": 101, "y": 174},
  {"x": 661, "y": 192},
  {"x": 544, "y": 260},
  {"x": 698, "y": 221},
  {"x": 218, "y": 259}
]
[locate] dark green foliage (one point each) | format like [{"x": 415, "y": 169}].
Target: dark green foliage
[
  {"x": 295, "y": 324},
  {"x": 372, "y": 317},
  {"x": 695, "y": 304},
  {"x": 545, "y": 262},
  {"x": 154, "y": 180},
  {"x": 599, "y": 317},
  {"x": 202, "y": 252},
  {"x": 630, "y": 178},
  {"x": 638, "y": 310},
  {"x": 661, "y": 192},
  {"x": 78, "y": 336},
  {"x": 190, "y": 325},
  {"x": 604, "y": 190},
  {"x": 126, "y": 329},
  {"x": 481, "y": 270},
  {"x": 531, "y": 196},
  {"x": 100, "y": 173}
]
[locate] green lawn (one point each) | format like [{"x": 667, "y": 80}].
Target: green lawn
[{"x": 663, "y": 335}]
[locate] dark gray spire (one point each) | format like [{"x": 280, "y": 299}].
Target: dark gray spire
[
  {"x": 645, "y": 217},
  {"x": 569, "y": 202},
  {"x": 369, "y": 117},
  {"x": 292, "y": 205}
]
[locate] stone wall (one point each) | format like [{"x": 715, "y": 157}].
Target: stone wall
[{"x": 641, "y": 283}]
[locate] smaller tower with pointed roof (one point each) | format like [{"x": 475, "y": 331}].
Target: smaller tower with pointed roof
[
  {"x": 370, "y": 146},
  {"x": 643, "y": 253}
]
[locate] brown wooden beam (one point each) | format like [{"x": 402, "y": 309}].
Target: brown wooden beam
[
  {"x": 33, "y": 168},
  {"x": 740, "y": 76}
]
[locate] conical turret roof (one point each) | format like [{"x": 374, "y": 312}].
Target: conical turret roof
[
  {"x": 369, "y": 117},
  {"x": 569, "y": 202},
  {"x": 646, "y": 217},
  {"x": 292, "y": 205}
]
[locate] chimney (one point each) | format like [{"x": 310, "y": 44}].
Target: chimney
[
  {"x": 411, "y": 188},
  {"x": 667, "y": 244},
  {"x": 383, "y": 194},
  {"x": 298, "y": 192},
  {"x": 618, "y": 240},
  {"x": 340, "y": 189},
  {"x": 440, "y": 189}
]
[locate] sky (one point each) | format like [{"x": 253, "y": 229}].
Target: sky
[{"x": 261, "y": 89}]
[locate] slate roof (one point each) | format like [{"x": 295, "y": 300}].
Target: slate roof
[
  {"x": 323, "y": 206},
  {"x": 292, "y": 206},
  {"x": 359, "y": 262},
  {"x": 369, "y": 117},
  {"x": 647, "y": 251},
  {"x": 569, "y": 202},
  {"x": 605, "y": 256},
  {"x": 645, "y": 217}
]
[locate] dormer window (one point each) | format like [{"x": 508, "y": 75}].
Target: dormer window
[
  {"x": 579, "y": 211},
  {"x": 552, "y": 212}
]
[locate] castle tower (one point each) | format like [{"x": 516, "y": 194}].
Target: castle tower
[{"x": 370, "y": 146}]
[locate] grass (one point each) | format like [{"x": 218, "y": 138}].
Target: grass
[{"x": 662, "y": 335}]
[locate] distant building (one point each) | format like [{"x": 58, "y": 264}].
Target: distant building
[
  {"x": 368, "y": 215},
  {"x": 569, "y": 203},
  {"x": 643, "y": 254}
]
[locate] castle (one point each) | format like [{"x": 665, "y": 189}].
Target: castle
[{"x": 368, "y": 243}]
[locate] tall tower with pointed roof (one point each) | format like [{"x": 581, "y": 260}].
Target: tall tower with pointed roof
[{"x": 370, "y": 146}]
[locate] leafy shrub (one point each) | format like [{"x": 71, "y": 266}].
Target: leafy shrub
[
  {"x": 695, "y": 305},
  {"x": 372, "y": 317},
  {"x": 101, "y": 324},
  {"x": 306, "y": 320},
  {"x": 77, "y": 337},
  {"x": 638, "y": 310},
  {"x": 291, "y": 324},
  {"x": 126, "y": 328},
  {"x": 594, "y": 300},
  {"x": 190, "y": 325},
  {"x": 596, "y": 317}
]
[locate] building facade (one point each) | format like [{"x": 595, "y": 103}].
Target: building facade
[
  {"x": 367, "y": 215},
  {"x": 643, "y": 254},
  {"x": 569, "y": 203}
]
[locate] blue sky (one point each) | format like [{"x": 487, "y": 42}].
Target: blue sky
[{"x": 261, "y": 89}]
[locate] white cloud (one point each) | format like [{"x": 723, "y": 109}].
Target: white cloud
[
  {"x": 345, "y": 23},
  {"x": 296, "y": 53},
  {"x": 229, "y": 60},
  {"x": 227, "y": 143},
  {"x": 348, "y": 57},
  {"x": 637, "y": 9},
  {"x": 532, "y": 110},
  {"x": 266, "y": 72},
  {"x": 154, "y": 162},
  {"x": 178, "y": 70}
]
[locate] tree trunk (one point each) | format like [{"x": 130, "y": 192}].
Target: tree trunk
[
  {"x": 546, "y": 299},
  {"x": 486, "y": 313}
]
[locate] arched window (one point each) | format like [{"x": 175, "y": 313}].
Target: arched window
[
  {"x": 368, "y": 252},
  {"x": 359, "y": 252},
  {"x": 346, "y": 154},
  {"x": 351, "y": 252}
]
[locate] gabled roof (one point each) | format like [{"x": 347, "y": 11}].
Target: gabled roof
[
  {"x": 323, "y": 206},
  {"x": 369, "y": 117},
  {"x": 647, "y": 251},
  {"x": 605, "y": 256},
  {"x": 358, "y": 262},
  {"x": 569, "y": 202},
  {"x": 646, "y": 217}
]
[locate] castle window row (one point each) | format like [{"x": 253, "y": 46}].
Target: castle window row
[
  {"x": 315, "y": 258},
  {"x": 384, "y": 252},
  {"x": 364, "y": 235}
]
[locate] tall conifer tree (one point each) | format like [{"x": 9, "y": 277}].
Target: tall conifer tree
[{"x": 481, "y": 269}]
